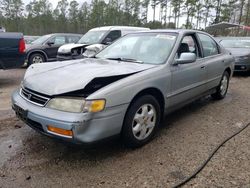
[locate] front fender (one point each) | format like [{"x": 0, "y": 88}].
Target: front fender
[{"x": 123, "y": 91}]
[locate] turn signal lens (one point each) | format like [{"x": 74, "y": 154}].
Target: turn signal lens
[
  {"x": 60, "y": 131},
  {"x": 94, "y": 106}
]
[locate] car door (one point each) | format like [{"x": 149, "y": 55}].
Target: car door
[
  {"x": 52, "y": 45},
  {"x": 188, "y": 80},
  {"x": 214, "y": 60}
]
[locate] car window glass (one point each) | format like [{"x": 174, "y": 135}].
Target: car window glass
[
  {"x": 58, "y": 40},
  {"x": 152, "y": 48},
  {"x": 188, "y": 44},
  {"x": 209, "y": 46},
  {"x": 235, "y": 43},
  {"x": 124, "y": 48},
  {"x": 113, "y": 35},
  {"x": 73, "y": 39}
]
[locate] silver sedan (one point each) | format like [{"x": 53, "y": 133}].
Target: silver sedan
[{"x": 124, "y": 90}]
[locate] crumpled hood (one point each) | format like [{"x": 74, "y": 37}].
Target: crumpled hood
[
  {"x": 93, "y": 49},
  {"x": 63, "y": 77},
  {"x": 68, "y": 47},
  {"x": 237, "y": 52}
]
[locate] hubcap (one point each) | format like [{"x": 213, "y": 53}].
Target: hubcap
[
  {"x": 37, "y": 59},
  {"x": 144, "y": 121},
  {"x": 224, "y": 85}
]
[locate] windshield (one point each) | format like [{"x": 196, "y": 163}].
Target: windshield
[
  {"x": 149, "y": 48},
  {"x": 92, "y": 37},
  {"x": 235, "y": 43},
  {"x": 41, "y": 40}
]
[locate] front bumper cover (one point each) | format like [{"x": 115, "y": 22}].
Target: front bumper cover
[{"x": 86, "y": 127}]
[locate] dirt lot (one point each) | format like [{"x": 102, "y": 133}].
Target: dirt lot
[{"x": 28, "y": 159}]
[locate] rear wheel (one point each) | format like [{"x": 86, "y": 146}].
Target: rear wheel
[
  {"x": 141, "y": 121},
  {"x": 221, "y": 90},
  {"x": 36, "y": 58}
]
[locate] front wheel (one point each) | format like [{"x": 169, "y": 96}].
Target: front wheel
[
  {"x": 221, "y": 90},
  {"x": 141, "y": 121}
]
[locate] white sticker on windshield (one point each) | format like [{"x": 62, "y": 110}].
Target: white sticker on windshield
[{"x": 162, "y": 36}]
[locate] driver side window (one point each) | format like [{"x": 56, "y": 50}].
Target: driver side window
[
  {"x": 58, "y": 40},
  {"x": 188, "y": 45},
  {"x": 112, "y": 36}
]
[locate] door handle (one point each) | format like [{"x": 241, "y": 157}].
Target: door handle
[{"x": 203, "y": 67}]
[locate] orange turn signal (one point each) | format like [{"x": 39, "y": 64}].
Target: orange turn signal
[{"x": 60, "y": 131}]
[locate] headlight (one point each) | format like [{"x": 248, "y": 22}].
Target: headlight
[{"x": 76, "y": 105}]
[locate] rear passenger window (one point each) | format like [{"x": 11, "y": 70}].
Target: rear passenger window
[{"x": 209, "y": 46}]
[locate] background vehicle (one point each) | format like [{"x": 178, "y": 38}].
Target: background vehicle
[
  {"x": 240, "y": 49},
  {"x": 2, "y": 29},
  {"x": 12, "y": 50},
  {"x": 44, "y": 49},
  {"x": 100, "y": 35},
  {"x": 126, "y": 89},
  {"x": 30, "y": 39}
]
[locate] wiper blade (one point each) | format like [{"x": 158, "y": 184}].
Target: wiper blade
[{"x": 126, "y": 59}]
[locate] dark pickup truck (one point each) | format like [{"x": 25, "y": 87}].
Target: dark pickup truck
[{"x": 12, "y": 50}]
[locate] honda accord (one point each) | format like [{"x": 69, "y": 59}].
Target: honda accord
[{"x": 126, "y": 89}]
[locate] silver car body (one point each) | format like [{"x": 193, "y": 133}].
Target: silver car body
[{"x": 173, "y": 85}]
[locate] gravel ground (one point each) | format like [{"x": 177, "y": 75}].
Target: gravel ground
[{"x": 28, "y": 159}]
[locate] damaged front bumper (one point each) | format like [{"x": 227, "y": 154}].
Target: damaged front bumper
[
  {"x": 86, "y": 127},
  {"x": 66, "y": 57}
]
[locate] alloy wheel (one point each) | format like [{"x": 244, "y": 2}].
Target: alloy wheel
[{"x": 144, "y": 121}]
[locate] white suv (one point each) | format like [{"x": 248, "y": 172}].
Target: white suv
[{"x": 100, "y": 35}]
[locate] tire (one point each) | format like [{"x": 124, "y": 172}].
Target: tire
[
  {"x": 133, "y": 133},
  {"x": 36, "y": 58},
  {"x": 221, "y": 90}
]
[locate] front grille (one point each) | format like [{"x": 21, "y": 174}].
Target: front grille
[
  {"x": 33, "y": 97},
  {"x": 35, "y": 125},
  {"x": 64, "y": 55},
  {"x": 240, "y": 67}
]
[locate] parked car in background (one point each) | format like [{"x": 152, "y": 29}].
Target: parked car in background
[
  {"x": 30, "y": 39},
  {"x": 2, "y": 29},
  {"x": 101, "y": 35},
  {"x": 12, "y": 50},
  {"x": 240, "y": 48},
  {"x": 44, "y": 49},
  {"x": 126, "y": 89}
]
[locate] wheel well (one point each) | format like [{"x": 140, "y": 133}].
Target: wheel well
[
  {"x": 229, "y": 71},
  {"x": 155, "y": 93},
  {"x": 38, "y": 52}
]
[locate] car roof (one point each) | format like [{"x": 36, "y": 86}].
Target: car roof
[
  {"x": 180, "y": 31},
  {"x": 74, "y": 34},
  {"x": 107, "y": 28},
  {"x": 233, "y": 38}
]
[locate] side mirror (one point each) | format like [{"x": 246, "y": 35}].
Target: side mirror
[
  {"x": 50, "y": 43},
  {"x": 186, "y": 58}
]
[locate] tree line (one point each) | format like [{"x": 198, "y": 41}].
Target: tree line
[{"x": 39, "y": 17}]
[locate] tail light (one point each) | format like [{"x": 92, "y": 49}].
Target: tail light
[{"x": 22, "y": 46}]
